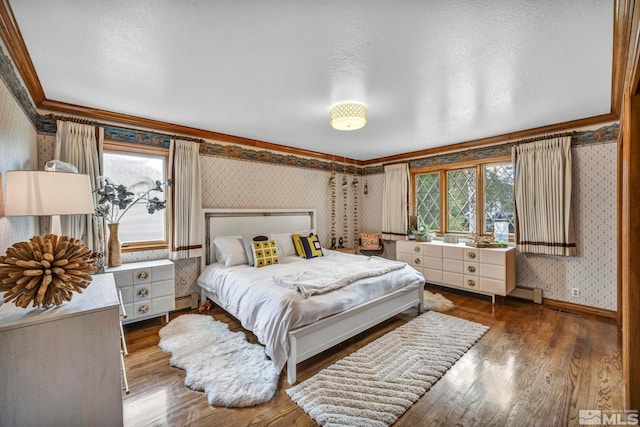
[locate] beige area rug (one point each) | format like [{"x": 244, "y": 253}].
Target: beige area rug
[
  {"x": 436, "y": 302},
  {"x": 230, "y": 370},
  {"x": 375, "y": 385}
]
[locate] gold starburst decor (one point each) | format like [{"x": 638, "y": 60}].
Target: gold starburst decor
[{"x": 45, "y": 270}]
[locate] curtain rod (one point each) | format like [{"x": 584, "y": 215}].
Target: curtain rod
[
  {"x": 542, "y": 138},
  {"x": 94, "y": 123}
]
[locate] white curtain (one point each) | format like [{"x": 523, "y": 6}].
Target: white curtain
[
  {"x": 185, "y": 240},
  {"x": 544, "y": 220},
  {"x": 79, "y": 145},
  {"x": 395, "y": 209}
]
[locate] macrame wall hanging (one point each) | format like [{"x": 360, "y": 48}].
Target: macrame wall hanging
[
  {"x": 354, "y": 185},
  {"x": 332, "y": 189},
  {"x": 344, "y": 239}
]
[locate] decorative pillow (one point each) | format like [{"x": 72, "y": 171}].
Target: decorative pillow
[
  {"x": 370, "y": 241},
  {"x": 284, "y": 244},
  {"x": 307, "y": 246},
  {"x": 229, "y": 250},
  {"x": 265, "y": 253},
  {"x": 247, "y": 242}
]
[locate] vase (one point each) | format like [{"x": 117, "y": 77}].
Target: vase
[{"x": 113, "y": 246}]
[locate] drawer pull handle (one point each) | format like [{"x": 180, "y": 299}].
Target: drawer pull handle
[
  {"x": 471, "y": 268},
  {"x": 472, "y": 255},
  {"x": 143, "y": 275},
  {"x": 143, "y": 292},
  {"x": 416, "y": 261},
  {"x": 143, "y": 309},
  {"x": 471, "y": 283},
  {"x": 416, "y": 249}
]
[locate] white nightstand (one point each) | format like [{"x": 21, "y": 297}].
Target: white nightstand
[{"x": 148, "y": 288}]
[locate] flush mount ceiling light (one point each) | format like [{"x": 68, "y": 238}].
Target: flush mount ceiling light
[{"x": 348, "y": 115}]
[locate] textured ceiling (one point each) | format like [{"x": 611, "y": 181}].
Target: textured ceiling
[{"x": 432, "y": 73}]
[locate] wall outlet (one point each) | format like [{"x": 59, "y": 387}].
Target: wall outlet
[{"x": 575, "y": 292}]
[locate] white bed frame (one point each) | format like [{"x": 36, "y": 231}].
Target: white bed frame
[{"x": 309, "y": 340}]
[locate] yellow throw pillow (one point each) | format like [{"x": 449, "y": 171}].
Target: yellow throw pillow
[
  {"x": 265, "y": 253},
  {"x": 307, "y": 247}
]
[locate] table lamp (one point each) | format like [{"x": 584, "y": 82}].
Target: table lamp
[{"x": 48, "y": 268}]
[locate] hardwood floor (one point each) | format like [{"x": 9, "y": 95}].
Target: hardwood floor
[{"x": 535, "y": 366}]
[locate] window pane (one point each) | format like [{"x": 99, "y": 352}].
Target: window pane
[
  {"x": 498, "y": 196},
  {"x": 137, "y": 172},
  {"x": 461, "y": 201},
  {"x": 428, "y": 200}
]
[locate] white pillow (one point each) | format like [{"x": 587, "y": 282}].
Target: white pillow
[
  {"x": 284, "y": 244},
  {"x": 230, "y": 250}
]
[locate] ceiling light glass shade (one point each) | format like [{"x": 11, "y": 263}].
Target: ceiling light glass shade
[{"x": 348, "y": 115}]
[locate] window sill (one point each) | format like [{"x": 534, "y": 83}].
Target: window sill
[{"x": 144, "y": 246}]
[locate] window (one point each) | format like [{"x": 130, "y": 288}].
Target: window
[
  {"x": 465, "y": 198},
  {"x": 498, "y": 196},
  {"x": 133, "y": 167}
]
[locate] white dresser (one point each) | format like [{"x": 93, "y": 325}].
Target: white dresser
[
  {"x": 61, "y": 365},
  {"x": 148, "y": 288},
  {"x": 490, "y": 271}
]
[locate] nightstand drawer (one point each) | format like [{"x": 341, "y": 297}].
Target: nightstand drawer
[
  {"x": 164, "y": 304},
  {"x": 142, "y": 292},
  {"x": 161, "y": 289}
]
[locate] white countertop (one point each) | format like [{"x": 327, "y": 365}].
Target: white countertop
[{"x": 99, "y": 295}]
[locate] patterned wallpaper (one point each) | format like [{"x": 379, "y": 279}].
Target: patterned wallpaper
[
  {"x": 18, "y": 150},
  {"x": 593, "y": 270}
]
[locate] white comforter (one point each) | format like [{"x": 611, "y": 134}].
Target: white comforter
[{"x": 271, "y": 311}]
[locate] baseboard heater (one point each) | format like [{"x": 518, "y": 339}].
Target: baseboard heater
[
  {"x": 187, "y": 302},
  {"x": 529, "y": 294}
]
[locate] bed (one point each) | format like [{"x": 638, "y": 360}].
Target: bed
[{"x": 292, "y": 324}]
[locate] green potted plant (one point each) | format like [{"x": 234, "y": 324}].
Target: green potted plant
[
  {"x": 411, "y": 233},
  {"x": 424, "y": 233},
  {"x": 114, "y": 200}
]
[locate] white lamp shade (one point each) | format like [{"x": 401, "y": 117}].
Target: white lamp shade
[{"x": 31, "y": 193}]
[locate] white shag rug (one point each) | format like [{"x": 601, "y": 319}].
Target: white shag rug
[
  {"x": 230, "y": 370},
  {"x": 375, "y": 385},
  {"x": 436, "y": 302}
]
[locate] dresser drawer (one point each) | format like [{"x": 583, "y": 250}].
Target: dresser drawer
[
  {"x": 432, "y": 262},
  {"x": 141, "y": 275},
  {"x": 162, "y": 273},
  {"x": 471, "y": 268},
  {"x": 452, "y": 252},
  {"x": 432, "y": 275},
  {"x": 471, "y": 282},
  {"x": 492, "y": 271},
  {"x": 408, "y": 247},
  {"x": 414, "y": 261},
  {"x": 493, "y": 286},
  {"x": 453, "y": 279},
  {"x": 492, "y": 257},
  {"x": 452, "y": 265},
  {"x": 471, "y": 254},
  {"x": 434, "y": 251}
]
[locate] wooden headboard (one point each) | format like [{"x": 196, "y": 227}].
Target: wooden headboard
[{"x": 248, "y": 222}]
